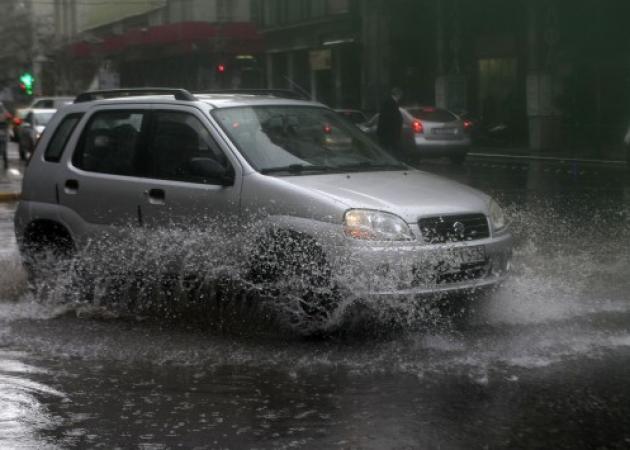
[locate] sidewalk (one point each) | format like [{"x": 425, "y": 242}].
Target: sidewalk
[{"x": 11, "y": 178}]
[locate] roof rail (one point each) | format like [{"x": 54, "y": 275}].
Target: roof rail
[
  {"x": 179, "y": 94},
  {"x": 281, "y": 93}
]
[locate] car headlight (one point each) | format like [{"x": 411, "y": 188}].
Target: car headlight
[
  {"x": 375, "y": 226},
  {"x": 497, "y": 217}
]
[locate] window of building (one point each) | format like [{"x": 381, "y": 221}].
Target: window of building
[
  {"x": 110, "y": 143},
  {"x": 225, "y": 10},
  {"x": 269, "y": 13},
  {"x": 338, "y": 6}
]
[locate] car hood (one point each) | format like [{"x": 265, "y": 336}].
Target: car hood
[{"x": 409, "y": 194}]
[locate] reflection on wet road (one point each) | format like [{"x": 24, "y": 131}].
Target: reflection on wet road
[
  {"x": 541, "y": 364},
  {"x": 24, "y": 419}
]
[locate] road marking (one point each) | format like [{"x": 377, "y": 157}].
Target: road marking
[{"x": 550, "y": 158}]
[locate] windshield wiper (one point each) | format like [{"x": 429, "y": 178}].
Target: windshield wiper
[
  {"x": 295, "y": 168},
  {"x": 371, "y": 165}
]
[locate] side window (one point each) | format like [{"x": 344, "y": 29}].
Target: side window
[
  {"x": 110, "y": 143},
  {"x": 184, "y": 150},
  {"x": 60, "y": 138},
  {"x": 43, "y": 104}
]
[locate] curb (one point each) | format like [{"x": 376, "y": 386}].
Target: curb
[
  {"x": 8, "y": 197},
  {"x": 549, "y": 158}
]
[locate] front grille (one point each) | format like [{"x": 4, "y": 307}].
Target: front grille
[
  {"x": 465, "y": 227},
  {"x": 444, "y": 274}
]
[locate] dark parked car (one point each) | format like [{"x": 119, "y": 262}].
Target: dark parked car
[
  {"x": 4, "y": 133},
  {"x": 31, "y": 130}
]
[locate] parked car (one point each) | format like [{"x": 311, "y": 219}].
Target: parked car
[
  {"x": 50, "y": 102},
  {"x": 37, "y": 103},
  {"x": 430, "y": 132},
  {"x": 332, "y": 213},
  {"x": 4, "y": 134},
  {"x": 31, "y": 129},
  {"x": 354, "y": 116}
]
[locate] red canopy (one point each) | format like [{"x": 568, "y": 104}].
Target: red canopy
[{"x": 239, "y": 37}]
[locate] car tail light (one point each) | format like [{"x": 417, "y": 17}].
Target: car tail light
[
  {"x": 468, "y": 124},
  {"x": 417, "y": 127}
]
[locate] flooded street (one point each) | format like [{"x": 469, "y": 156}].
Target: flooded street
[{"x": 542, "y": 363}]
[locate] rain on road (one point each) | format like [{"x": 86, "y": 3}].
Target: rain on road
[{"x": 542, "y": 363}]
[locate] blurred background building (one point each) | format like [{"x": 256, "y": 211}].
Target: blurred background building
[
  {"x": 557, "y": 73},
  {"x": 195, "y": 44},
  {"x": 26, "y": 28}
]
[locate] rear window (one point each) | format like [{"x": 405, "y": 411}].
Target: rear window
[
  {"x": 60, "y": 138},
  {"x": 432, "y": 114}
]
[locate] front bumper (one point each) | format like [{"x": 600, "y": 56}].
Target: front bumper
[{"x": 409, "y": 270}]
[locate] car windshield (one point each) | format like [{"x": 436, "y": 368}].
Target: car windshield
[
  {"x": 42, "y": 118},
  {"x": 298, "y": 140}
]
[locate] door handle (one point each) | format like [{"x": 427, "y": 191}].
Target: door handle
[
  {"x": 71, "y": 187},
  {"x": 156, "y": 196}
]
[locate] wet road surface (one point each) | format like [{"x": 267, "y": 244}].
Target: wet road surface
[{"x": 543, "y": 363}]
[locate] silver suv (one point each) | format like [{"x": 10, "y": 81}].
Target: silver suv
[{"x": 133, "y": 159}]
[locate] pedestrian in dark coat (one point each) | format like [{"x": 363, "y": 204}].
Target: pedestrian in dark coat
[{"x": 390, "y": 123}]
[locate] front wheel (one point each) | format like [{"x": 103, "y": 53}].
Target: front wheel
[{"x": 292, "y": 270}]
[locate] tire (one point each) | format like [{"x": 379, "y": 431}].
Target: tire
[
  {"x": 287, "y": 263},
  {"x": 47, "y": 252}
]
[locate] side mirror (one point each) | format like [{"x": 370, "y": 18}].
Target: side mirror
[{"x": 211, "y": 170}]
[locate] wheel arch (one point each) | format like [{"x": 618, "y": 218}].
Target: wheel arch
[{"x": 46, "y": 232}]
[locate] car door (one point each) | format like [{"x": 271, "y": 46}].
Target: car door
[
  {"x": 194, "y": 182},
  {"x": 101, "y": 180}
]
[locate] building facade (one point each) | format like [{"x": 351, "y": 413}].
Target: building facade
[
  {"x": 554, "y": 72},
  {"x": 194, "y": 44},
  {"x": 314, "y": 46}
]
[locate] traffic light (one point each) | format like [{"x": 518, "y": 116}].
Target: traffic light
[
  {"x": 221, "y": 68},
  {"x": 26, "y": 83}
]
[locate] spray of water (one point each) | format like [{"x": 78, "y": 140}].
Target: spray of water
[{"x": 565, "y": 265}]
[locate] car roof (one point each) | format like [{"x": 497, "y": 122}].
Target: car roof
[{"x": 212, "y": 100}]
